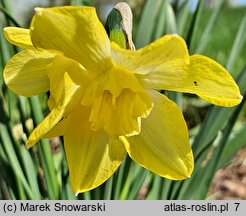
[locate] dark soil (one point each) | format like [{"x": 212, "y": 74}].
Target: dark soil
[{"x": 230, "y": 182}]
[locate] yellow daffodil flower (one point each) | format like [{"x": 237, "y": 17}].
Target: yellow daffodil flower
[{"x": 101, "y": 96}]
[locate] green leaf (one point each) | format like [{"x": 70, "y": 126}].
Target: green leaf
[
  {"x": 134, "y": 181},
  {"x": 206, "y": 35},
  {"x": 13, "y": 160},
  {"x": 235, "y": 142},
  {"x": 237, "y": 45},
  {"x": 147, "y": 23},
  {"x": 192, "y": 34},
  {"x": 171, "y": 26},
  {"x": 212, "y": 164},
  {"x": 154, "y": 191},
  {"x": 183, "y": 17},
  {"x": 45, "y": 153},
  {"x": 108, "y": 189},
  {"x": 121, "y": 177},
  {"x": 161, "y": 20}
]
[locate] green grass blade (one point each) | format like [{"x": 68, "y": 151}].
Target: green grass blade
[
  {"x": 121, "y": 177},
  {"x": 235, "y": 143},
  {"x": 212, "y": 164},
  {"x": 87, "y": 195},
  {"x": 134, "y": 181},
  {"x": 108, "y": 189},
  {"x": 6, "y": 50},
  {"x": 147, "y": 23},
  {"x": 154, "y": 192},
  {"x": 138, "y": 183},
  {"x": 13, "y": 160},
  {"x": 9, "y": 16},
  {"x": 24, "y": 114},
  {"x": 5, "y": 188},
  {"x": 192, "y": 34},
  {"x": 183, "y": 16},
  {"x": 166, "y": 189},
  {"x": 66, "y": 192},
  {"x": 46, "y": 153},
  {"x": 171, "y": 26},
  {"x": 31, "y": 173},
  {"x": 206, "y": 35},
  {"x": 82, "y": 2},
  {"x": 97, "y": 193},
  {"x": 237, "y": 46},
  {"x": 237, "y": 140},
  {"x": 127, "y": 183},
  {"x": 161, "y": 22}
]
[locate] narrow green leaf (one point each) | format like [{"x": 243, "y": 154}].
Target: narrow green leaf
[
  {"x": 161, "y": 20},
  {"x": 20, "y": 188},
  {"x": 237, "y": 141},
  {"x": 5, "y": 185},
  {"x": 138, "y": 183},
  {"x": 31, "y": 173},
  {"x": 167, "y": 189},
  {"x": 147, "y": 23},
  {"x": 9, "y": 16},
  {"x": 171, "y": 26},
  {"x": 66, "y": 192},
  {"x": 154, "y": 192},
  {"x": 183, "y": 17},
  {"x": 13, "y": 160},
  {"x": 237, "y": 46},
  {"x": 97, "y": 193},
  {"x": 121, "y": 176},
  {"x": 82, "y": 2},
  {"x": 206, "y": 35},
  {"x": 108, "y": 189},
  {"x": 135, "y": 178},
  {"x": 87, "y": 195},
  {"x": 48, "y": 162},
  {"x": 194, "y": 27},
  {"x": 6, "y": 50},
  {"x": 212, "y": 164}
]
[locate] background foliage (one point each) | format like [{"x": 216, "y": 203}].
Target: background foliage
[{"x": 216, "y": 133}]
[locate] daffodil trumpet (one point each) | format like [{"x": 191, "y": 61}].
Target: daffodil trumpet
[{"x": 104, "y": 99}]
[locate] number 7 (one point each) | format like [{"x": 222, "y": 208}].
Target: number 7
[{"x": 237, "y": 204}]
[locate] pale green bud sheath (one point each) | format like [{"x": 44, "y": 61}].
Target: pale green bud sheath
[
  {"x": 114, "y": 28},
  {"x": 119, "y": 26}
]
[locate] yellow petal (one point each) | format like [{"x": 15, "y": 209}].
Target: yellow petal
[
  {"x": 68, "y": 99},
  {"x": 18, "y": 36},
  {"x": 44, "y": 127},
  {"x": 92, "y": 157},
  {"x": 214, "y": 84},
  {"x": 55, "y": 73},
  {"x": 150, "y": 58},
  {"x": 55, "y": 130},
  {"x": 26, "y": 72},
  {"x": 202, "y": 76},
  {"x": 75, "y": 31},
  {"x": 60, "y": 66},
  {"x": 163, "y": 145},
  {"x": 165, "y": 64}
]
